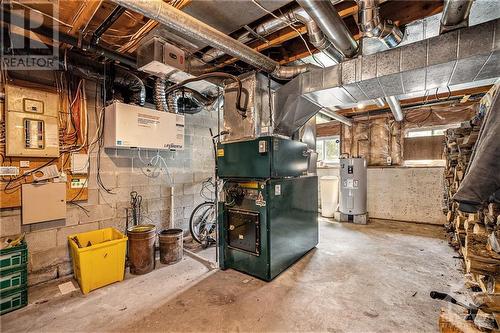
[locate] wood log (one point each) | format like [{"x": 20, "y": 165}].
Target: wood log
[
  {"x": 489, "y": 303},
  {"x": 450, "y": 322}
]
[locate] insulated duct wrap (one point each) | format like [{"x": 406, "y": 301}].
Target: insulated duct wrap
[
  {"x": 438, "y": 115},
  {"x": 159, "y": 94},
  {"x": 396, "y": 142},
  {"x": 361, "y": 140},
  {"x": 378, "y": 140},
  {"x": 257, "y": 102}
]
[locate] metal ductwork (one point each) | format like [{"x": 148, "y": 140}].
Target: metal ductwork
[
  {"x": 317, "y": 37},
  {"x": 395, "y": 107},
  {"x": 188, "y": 101},
  {"x": 134, "y": 84},
  {"x": 334, "y": 115},
  {"x": 159, "y": 94},
  {"x": 332, "y": 25},
  {"x": 180, "y": 101},
  {"x": 372, "y": 25},
  {"x": 190, "y": 28},
  {"x": 380, "y": 102},
  {"x": 455, "y": 14},
  {"x": 273, "y": 24},
  {"x": 468, "y": 57}
]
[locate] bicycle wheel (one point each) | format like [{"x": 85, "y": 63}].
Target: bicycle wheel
[{"x": 202, "y": 221}]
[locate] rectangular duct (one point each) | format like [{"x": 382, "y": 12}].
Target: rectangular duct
[{"x": 469, "y": 55}]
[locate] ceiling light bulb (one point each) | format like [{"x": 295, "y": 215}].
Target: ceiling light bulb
[{"x": 360, "y": 106}]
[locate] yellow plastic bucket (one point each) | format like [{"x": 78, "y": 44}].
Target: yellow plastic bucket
[{"x": 101, "y": 258}]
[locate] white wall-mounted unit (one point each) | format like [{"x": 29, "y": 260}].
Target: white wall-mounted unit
[{"x": 132, "y": 126}]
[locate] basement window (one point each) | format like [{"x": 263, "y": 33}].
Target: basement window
[
  {"x": 428, "y": 131},
  {"x": 328, "y": 149},
  {"x": 424, "y": 146}
]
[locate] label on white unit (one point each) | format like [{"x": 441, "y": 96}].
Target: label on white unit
[{"x": 146, "y": 120}]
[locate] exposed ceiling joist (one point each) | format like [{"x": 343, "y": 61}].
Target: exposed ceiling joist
[
  {"x": 286, "y": 35},
  {"x": 84, "y": 15},
  {"x": 132, "y": 45}
]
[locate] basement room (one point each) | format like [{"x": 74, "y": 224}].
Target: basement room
[{"x": 250, "y": 166}]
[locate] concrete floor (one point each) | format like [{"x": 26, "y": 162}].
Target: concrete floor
[{"x": 373, "y": 278}]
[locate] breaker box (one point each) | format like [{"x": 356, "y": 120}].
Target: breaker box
[
  {"x": 32, "y": 127},
  {"x": 132, "y": 126}
]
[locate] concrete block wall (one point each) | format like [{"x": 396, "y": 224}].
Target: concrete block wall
[
  {"x": 410, "y": 194},
  {"x": 168, "y": 198}
]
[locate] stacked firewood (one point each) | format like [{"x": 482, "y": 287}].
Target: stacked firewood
[
  {"x": 457, "y": 151},
  {"x": 476, "y": 236}
]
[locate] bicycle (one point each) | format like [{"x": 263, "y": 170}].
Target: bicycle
[
  {"x": 203, "y": 222},
  {"x": 203, "y": 219}
]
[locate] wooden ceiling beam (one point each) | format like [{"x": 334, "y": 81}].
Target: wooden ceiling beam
[
  {"x": 286, "y": 35},
  {"x": 84, "y": 15},
  {"x": 132, "y": 45}
]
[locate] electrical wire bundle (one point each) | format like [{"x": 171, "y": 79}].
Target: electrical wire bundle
[{"x": 152, "y": 168}]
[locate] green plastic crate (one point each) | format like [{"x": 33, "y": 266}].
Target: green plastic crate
[
  {"x": 13, "y": 299},
  {"x": 13, "y": 278},
  {"x": 14, "y": 257}
]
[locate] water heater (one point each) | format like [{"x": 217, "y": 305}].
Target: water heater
[{"x": 353, "y": 186}]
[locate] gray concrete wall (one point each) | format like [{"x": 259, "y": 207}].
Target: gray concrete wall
[
  {"x": 168, "y": 201},
  {"x": 402, "y": 193},
  {"x": 406, "y": 194}
]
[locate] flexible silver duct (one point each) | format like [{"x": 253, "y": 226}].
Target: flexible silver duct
[
  {"x": 372, "y": 25},
  {"x": 455, "y": 14},
  {"x": 190, "y": 28},
  {"x": 331, "y": 24},
  {"x": 395, "y": 106},
  {"x": 272, "y": 25},
  {"x": 159, "y": 94},
  {"x": 188, "y": 101},
  {"x": 134, "y": 84}
]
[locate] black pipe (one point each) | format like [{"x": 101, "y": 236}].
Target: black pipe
[
  {"x": 106, "y": 24},
  {"x": 12, "y": 18}
]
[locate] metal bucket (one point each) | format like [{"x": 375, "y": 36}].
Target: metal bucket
[
  {"x": 141, "y": 248},
  {"x": 171, "y": 246}
]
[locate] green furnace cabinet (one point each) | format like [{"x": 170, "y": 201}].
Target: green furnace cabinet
[{"x": 268, "y": 213}]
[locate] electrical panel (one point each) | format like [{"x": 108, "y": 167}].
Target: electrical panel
[
  {"x": 32, "y": 125},
  {"x": 132, "y": 126}
]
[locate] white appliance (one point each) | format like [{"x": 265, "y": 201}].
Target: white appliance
[{"x": 133, "y": 126}]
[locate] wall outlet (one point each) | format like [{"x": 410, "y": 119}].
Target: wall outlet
[{"x": 24, "y": 164}]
